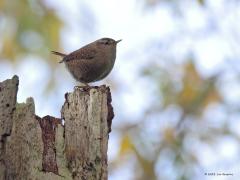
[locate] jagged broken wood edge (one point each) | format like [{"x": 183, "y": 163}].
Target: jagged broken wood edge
[{"x": 45, "y": 136}]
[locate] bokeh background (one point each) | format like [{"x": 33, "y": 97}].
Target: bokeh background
[{"x": 175, "y": 85}]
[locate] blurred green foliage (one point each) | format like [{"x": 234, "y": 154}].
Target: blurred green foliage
[
  {"x": 28, "y": 26},
  {"x": 195, "y": 94},
  {"x": 173, "y": 148}
]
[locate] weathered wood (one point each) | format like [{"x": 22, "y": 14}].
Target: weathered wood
[
  {"x": 48, "y": 125},
  {"x": 23, "y": 148},
  {"x": 42, "y": 148},
  {"x": 86, "y": 112},
  {"x": 8, "y": 95}
]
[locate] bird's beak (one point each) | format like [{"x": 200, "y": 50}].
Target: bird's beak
[{"x": 118, "y": 41}]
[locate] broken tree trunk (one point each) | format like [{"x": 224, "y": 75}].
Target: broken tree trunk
[{"x": 42, "y": 148}]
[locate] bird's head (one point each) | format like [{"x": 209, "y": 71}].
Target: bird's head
[{"x": 107, "y": 42}]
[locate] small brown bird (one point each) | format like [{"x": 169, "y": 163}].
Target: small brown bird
[{"x": 92, "y": 62}]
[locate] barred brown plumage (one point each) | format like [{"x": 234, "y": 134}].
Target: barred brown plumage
[{"x": 92, "y": 62}]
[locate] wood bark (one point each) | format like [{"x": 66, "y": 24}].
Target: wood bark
[{"x": 32, "y": 147}]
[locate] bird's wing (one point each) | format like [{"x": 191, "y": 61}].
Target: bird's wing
[{"x": 84, "y": 53}]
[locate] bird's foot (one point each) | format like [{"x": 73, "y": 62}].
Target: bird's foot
[{"x": 82, "y": 87}]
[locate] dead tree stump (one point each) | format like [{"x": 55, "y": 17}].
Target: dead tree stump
[{"x": 42, "y": 148}]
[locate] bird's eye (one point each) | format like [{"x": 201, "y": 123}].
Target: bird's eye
[{"x": 106, "y": 43}]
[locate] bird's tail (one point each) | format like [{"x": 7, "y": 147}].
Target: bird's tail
[{"x": 59, "y": 54}]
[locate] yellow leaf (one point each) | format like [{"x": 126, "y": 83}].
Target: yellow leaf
[
  {"x": 191, "y": 85},
  {"x": 126, "y": 145},
  {"x": 169, "y": 135}
]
